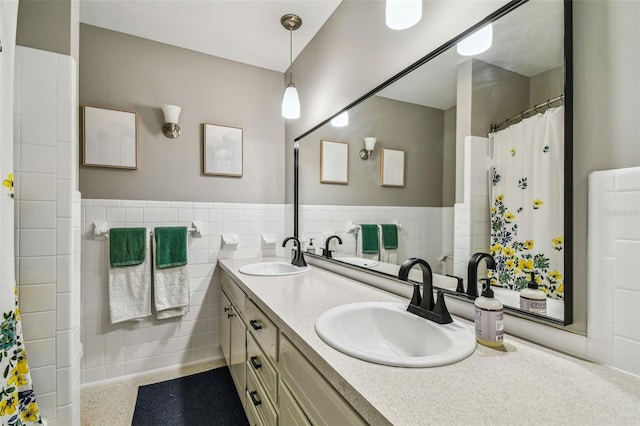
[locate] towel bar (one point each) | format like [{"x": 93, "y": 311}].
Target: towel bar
[{"x": 100, "y": 230}]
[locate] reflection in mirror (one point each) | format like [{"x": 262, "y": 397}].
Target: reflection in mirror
[{"x": 482, "y": 139}]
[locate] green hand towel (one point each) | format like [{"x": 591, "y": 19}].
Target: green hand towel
[
  {"x": 171, "y": 246},
  {"x": 389, "y": 236},
  {"x": 369, "y": 239},
  {"x": 127, "y": 246}
]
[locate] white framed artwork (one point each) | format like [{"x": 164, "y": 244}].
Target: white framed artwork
[
  {"x": 222, "y": 150},
  {"x": 391, "y": 167},
  {"x": 109, "y": 138},
  {"x": 334, "y": 162}
]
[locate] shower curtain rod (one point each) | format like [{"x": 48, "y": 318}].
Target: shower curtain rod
[{"x": 516, "y": 118}]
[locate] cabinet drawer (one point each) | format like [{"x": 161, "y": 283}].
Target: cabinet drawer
[
  {"x": 261, "y": 366},
  {"x": 256, "y": 397},
  {"x": 290, "y": 411},
  {"x": 265, "y": 332},
  {"x": 252, "y": 414},
  {"x": 236, "y": 295},
  {"x": 317, "y": 398}
]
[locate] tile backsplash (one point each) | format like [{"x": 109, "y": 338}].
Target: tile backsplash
[
  {"x": 613, "y": 321},
  {"x": 113, "y": 350}
]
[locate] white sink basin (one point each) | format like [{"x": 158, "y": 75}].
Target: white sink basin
[
  {"x": 358, "y": 261},
  {"x": 272, "y": 269},
  {"x": 385, "y": 333}
]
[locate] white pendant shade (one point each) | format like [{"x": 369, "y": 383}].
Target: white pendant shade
[
  {"x": 171, "y": 113},
  {"x": 476, "y": 43},
  {"x": 341, "y": 120},
  {"x": 403, "y": 14},
  {"x": 370, "y": 143},
  {"x": 290, "y": 102}
]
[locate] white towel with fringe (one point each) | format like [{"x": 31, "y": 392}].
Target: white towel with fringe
[
  {"x": 130, "y": 289},
  {"x": 170, "y": 290}
]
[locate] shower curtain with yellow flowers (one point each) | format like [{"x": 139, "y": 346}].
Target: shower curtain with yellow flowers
[
  {"x": 17, "y": 399},
  {"x": 526, "y": 201}
]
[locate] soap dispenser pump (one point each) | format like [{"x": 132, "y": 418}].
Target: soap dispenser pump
[
  {"x": 311, "y": 248},
  {"x": 532, "y": 299},
  {"x": 489, "y": 317}
]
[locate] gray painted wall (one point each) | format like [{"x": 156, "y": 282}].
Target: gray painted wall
[
  {"x": 50, "y": 25},
  {"x": 449, "y": 159},
  {"x": 546, "y": 85},
  {"x": 130, "y": 73},
  {"x": 415, "y": 129},
  {"x": 345, "y": 60}
]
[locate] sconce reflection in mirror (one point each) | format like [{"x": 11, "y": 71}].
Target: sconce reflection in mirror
[
  {"x": 369, "y": 145},
  {"x": 340, "y": 120},
  {"x": 476, "y": 43},
  {"x": 171, "y": 115}
]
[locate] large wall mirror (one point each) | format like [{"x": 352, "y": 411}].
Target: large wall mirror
[{"x": 480, "y": 146}]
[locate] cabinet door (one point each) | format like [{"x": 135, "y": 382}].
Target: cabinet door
[
  {"x": 290, "y": 412},
  {"x": 225, "y": 323},
  {"x": 238, "y": 351}
]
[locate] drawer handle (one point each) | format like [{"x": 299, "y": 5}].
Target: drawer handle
[
  {"x": 231, "y": 315},
  {"x": 254, "y": 362},
  {"x": 255, "y": 400},
  {"x": 255, "y": 325},
  {"x": 226, "y": 309}
]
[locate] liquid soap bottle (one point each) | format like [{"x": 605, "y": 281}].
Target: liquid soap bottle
[
  {"x": 311, "y": 248},
  {"x": 533, "y": 299},
  {"x": 489, "y": 317}
]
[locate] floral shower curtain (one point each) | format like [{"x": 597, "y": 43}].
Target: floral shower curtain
[
  {"x": 17, "y": 399},
  {"x": 527, "y": 198}
]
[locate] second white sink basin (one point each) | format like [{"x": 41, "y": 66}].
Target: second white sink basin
[
  {"x": 385, "y": 333},
  {"x": 272, "y": 269}
]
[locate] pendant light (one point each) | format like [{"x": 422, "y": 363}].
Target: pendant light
[
  {"x": 402, "y": 14},
  {"x": 476, "y": 43},
  {"x": 290, "y": 100}
]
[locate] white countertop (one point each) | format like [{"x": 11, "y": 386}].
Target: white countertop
[{"x": 521, "y": 384}]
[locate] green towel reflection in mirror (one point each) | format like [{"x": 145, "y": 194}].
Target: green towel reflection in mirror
[
  {"x": 370, "y": 243},
  {"x": 389, "y": 236},
  {"x": 171, "y": 246}
]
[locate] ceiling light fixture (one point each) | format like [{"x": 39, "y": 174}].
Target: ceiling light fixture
[
  {"x": 340, "y": 120},
  {"x": 402, "y": 14},
  {"x": 476, "y": 43},
  {"x": 290, "y": 100}
]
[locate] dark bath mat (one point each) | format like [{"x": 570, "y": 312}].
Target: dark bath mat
[{"x": 207, "y": 398}]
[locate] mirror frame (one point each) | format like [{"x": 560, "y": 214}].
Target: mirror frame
[{"x": 568, "y": 156}]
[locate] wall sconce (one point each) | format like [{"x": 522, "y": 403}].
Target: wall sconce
[
  {"x": 171, "y": 115},
  {"x": 369, "y": 145}
]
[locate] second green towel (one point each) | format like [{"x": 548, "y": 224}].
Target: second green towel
[
  {"x": 370, "y": 243},
  {"x": 171, "y": 246},
  {"x": 389, "y": 236}
]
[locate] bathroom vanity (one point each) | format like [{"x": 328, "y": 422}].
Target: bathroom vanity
[{"x": 285, "y": 374}]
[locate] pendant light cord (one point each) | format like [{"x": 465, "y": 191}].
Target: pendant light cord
[{"x": 290, "y": 53}]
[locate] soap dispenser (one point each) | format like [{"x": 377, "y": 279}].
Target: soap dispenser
[
  {"x": 489, "y": 317},
  {"x": 532, "y": 299},
  {"x": 311, "y": 248}
]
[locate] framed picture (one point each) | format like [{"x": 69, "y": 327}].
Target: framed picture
[
  {"x": 222, "y": 150},
  {"x": 391, "y": 167},
  {"x": 109, "y": 138},
  {"x": 334, "y": 165}
]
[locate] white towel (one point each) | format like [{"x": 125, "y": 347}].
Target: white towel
[
  {"x": 170, "y": 290},
  {"x": 130, "y": 289}
]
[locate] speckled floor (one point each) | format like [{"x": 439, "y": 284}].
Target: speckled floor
[{"x": 112, "y": 403}]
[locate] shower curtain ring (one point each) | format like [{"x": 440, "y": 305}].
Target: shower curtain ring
[{"x": 548, "y": 103}]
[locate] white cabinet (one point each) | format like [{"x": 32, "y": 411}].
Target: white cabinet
[{"x": 276, "y": 382}]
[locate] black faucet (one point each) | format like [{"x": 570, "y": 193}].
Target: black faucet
[
  {"x": 425, "y": 307},
  {"x": 472, "y": 271},
  {"x": 325, "y": 251},
  {"x": 298, "y": 257}
]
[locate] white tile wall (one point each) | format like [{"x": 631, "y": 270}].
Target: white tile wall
[
  {"x": 113, "y": 350},
  {"x": 46, "y": 224},
  {"x": 613, "y": 307},
  {"x": 421, "y": 234},
  {"x": 472, "y": 221}
]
